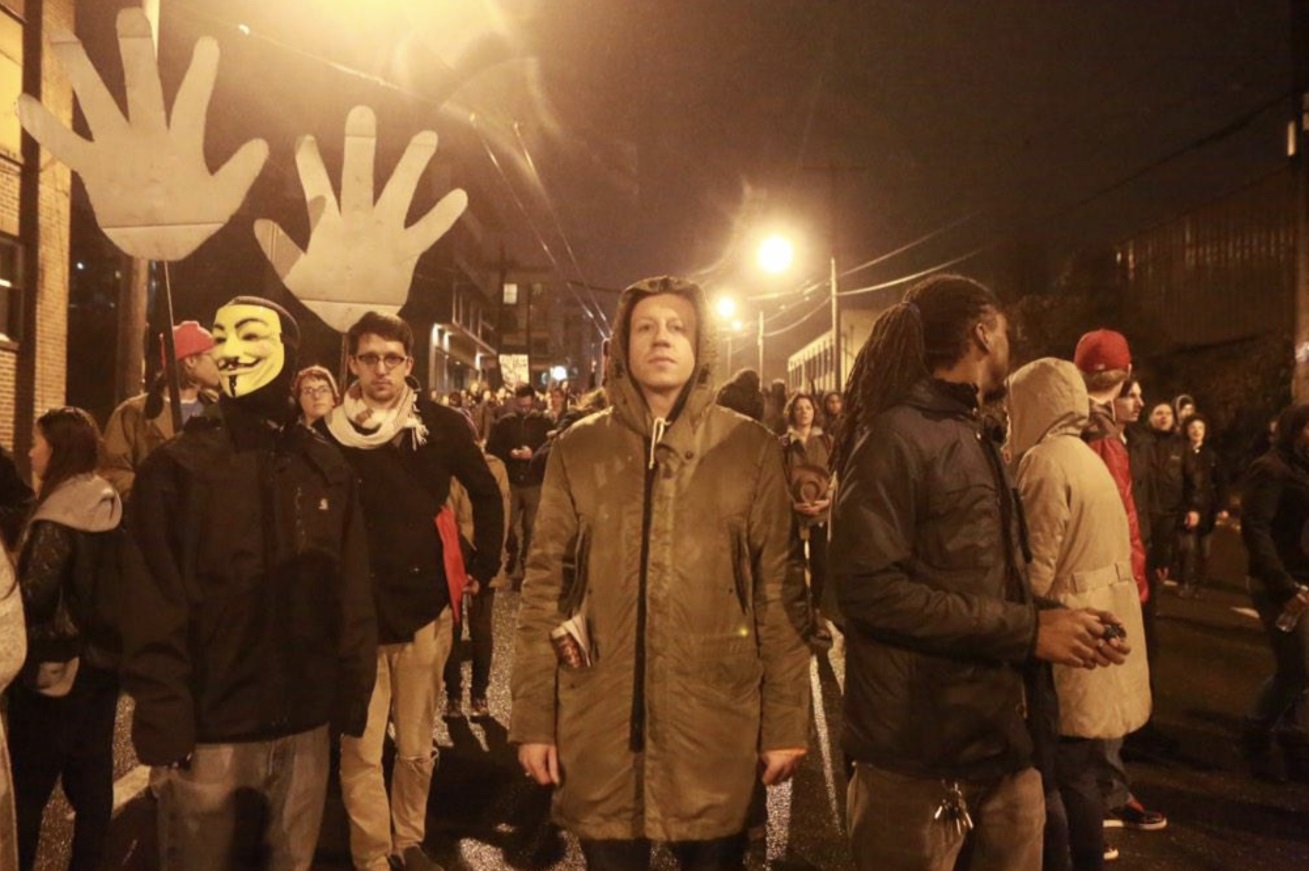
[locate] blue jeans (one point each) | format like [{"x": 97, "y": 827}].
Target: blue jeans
[
  {"x": 256, "y": 804},
  {"x": 892, "y": 825}
]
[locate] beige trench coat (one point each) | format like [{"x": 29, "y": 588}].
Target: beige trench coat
[{"x": 1081, "y": 549}]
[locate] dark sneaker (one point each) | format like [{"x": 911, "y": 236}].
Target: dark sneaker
[
  {"x": 1134, "y": 815},
  {"x": 454, "y": 708},
  {"x": 416, "y": 860},
  {"x": 480, "y": 709}
]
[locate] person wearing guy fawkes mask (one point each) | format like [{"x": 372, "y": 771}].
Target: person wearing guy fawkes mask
[{"x": 252, "y": 629}]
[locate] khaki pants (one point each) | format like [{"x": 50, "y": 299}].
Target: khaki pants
[
  {"x": 892, "y": 828},
  {"x": 408, "y": 685}
]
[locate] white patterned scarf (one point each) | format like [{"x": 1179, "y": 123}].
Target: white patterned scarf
[{"x": 356, "y": 424}]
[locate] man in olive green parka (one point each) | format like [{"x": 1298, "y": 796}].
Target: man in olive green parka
[{"x": 665, "y": 527}]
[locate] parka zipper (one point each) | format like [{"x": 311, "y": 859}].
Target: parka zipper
[{"x": 636, "y": 740}]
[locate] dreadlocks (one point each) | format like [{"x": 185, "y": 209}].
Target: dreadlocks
[{"x": 928, "y": 331}]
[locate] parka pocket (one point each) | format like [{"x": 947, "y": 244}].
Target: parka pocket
[
  {"x": 573, "y": 590},
  {"x": 742, "y": 569}
]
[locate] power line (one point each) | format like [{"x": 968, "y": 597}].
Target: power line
[
  {"x": 786, "y": 329},
  {"x": 522, "y": 207},
  {"x": 554, "y": 214}
]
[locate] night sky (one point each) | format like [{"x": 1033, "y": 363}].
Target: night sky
[{"x": 669, "y": 135}]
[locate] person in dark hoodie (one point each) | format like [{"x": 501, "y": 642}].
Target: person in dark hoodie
[
  {"x": 252, "y": 625},
  {"x": 61, "y": 710},
  {"x": 742, "y": 394},
  {"x": 665, "y": 529},
  {"x": 514, "y": 438}
]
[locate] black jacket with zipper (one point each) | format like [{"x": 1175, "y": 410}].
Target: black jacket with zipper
[
  {"x": 927, "y": 557},
  {"x": 402, "y": 487},
  {"x": 251, "y": 612}
]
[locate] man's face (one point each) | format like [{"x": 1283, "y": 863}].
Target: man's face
[
  {"x": 523, "y": 404},
  {"x": 1195, "y": 432},
  {"x": 381, "y": 365},
  {"x": 202, "y": 370},
  {"x": 1128, "y": 406},
  {"x": 834, "y": 402},
  {"x": 661, "y": 352},
  {"x": 248, "y": 348},
  {"x": 996, "y": 332},
  {"x": 1161, "y": 418}
]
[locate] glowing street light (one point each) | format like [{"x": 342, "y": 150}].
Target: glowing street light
[
  {"x": 776, "y": 254},
  {"x": 725, "y": 306}
]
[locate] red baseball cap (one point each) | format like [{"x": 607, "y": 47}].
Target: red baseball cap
[
  {"x": 188, "y": 338},
  {"x": 1102, "y": 351}
]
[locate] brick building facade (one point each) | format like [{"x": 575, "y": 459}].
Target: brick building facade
[{"x": 34, "y": 220}]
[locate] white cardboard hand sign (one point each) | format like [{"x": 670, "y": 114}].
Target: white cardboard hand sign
[
  {"x": 147, "y": 180},
  {"x": 361, "y": 256}
]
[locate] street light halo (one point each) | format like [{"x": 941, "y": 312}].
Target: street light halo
[
  {"x": 725, "y": 306},
  {"x": 776, "y": 254}
]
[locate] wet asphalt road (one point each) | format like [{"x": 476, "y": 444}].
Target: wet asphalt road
[{"x": 483, "y": 814}]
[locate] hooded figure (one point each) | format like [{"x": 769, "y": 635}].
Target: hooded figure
[
  {"x": 1081, "y": 553},
  {"x": 670, "y": 539}
]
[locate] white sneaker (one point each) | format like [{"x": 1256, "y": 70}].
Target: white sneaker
[{"x": 1110, "y": 853}]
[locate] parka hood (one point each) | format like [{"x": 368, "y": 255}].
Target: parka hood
[
  {"x": 1047, "y": 397},
  {"x": 623, "y": 394}
]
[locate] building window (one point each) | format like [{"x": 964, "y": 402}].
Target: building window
[
  {"x": 11, "y": 84},
  {"x": 11, "y": 290},
  {"x": 511, "y": 294}
]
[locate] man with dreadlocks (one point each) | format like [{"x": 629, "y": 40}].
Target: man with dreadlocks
[
  {"x": 928, "y": 557},
  {"x": 665, "y": 530}
]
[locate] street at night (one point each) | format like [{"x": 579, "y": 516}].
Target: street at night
[{"x": 483, "y": 815}]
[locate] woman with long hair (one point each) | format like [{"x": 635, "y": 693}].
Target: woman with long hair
[
  {"x": 61, "y": 710},
  {"x": 807, "y": 450}
]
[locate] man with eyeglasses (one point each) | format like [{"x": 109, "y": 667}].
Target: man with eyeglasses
[{"x": 404, "y": 450}]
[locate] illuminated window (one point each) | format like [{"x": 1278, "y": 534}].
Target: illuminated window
[
  {"x": 11, "y": 83},
  {"x": 511, "y": 294},
  {"x": 11, "y": 289}
]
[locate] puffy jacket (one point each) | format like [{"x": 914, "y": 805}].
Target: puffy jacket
[
  {"x": 252, "y": 611},
  {"x": 1105, "y": 437},
  {"x": 1275, "y": 522},
  {"x": 679, "y": 546},
  {"x": 926, "y": 556},
  {"x": 1081, "y": 555}
]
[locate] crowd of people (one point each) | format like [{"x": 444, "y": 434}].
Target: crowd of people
[{"x": 301, "y": 561}]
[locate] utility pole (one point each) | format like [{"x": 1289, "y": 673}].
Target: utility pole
[
  {"x": 1298, "y": 141},
  {"x": 761, "y": 344},
  {"x": 834, "y": 170}
]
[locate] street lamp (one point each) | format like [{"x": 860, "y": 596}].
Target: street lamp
[
  {"x": 725, "y": 306},
  {"x": 776, "y": 254}
]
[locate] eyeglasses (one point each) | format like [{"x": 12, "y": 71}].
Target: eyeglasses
[
  {"x": 315, "y": 392},
  {"x": 390, "y": 361}
]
